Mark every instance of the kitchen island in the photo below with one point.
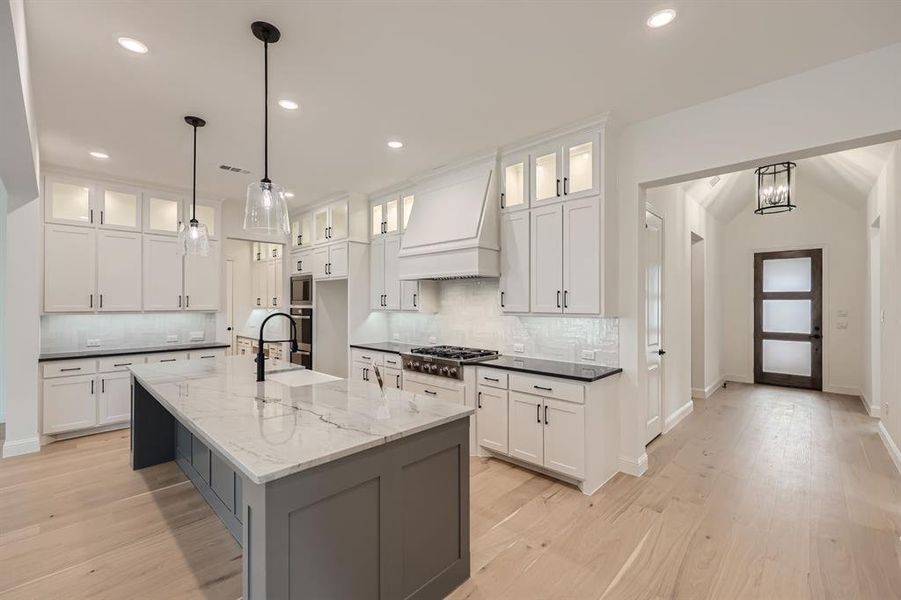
(332, 489)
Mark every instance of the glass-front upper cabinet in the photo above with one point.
(119, 208)
(68, 201)
(581, 175)
(162, 213)
(207, 214)
(337, 220)
(547, 174)
(384, 215)
(320, 224)
(406, 201)
(515, 182)
(302, 231)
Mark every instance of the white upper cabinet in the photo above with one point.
(118, 271)
(202, 280)
(385, 215)
(69, 273)
(162, 213)
(163, 272)
(330, 262)
(119, 207)
(377, 274)
(546, 173)
(547, 259)
(276, 281)
(515, 182)
(259, 288)
(321, 225)
(302, 231)
(207, 213)
(330, 222)
(68, 201)
(514, 281)
(582, 243)
(581, 176)
(302, 262)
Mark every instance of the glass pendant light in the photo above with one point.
(193, 238)
(266, 211)
(775, 188)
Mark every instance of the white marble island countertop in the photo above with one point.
(293, 421)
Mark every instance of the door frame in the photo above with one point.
(818, 295)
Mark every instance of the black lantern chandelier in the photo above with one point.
(775, 188)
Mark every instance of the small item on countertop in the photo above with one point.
(378, 376)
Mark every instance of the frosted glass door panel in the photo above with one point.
(207, 216)
(408, 208)
(69, 202)
(338, 221)
(788, 358)
(162, 215)
(787, 316)
(120, 209)
(377, 220)
(580, 168)
(546, 177)
(514, 185)
(787, 275)
(391, 214)
(320, 219)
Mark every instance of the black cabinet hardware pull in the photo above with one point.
(101, 300)
(565, 300)
(70, 369)
(91, 301)
(480, 400)
(558, 298)
(502, 299)
(179, 301)
(397, 377)
(558, 187)
(391, 362)
(415, 299)
(92, 220)
(92, 386)
(209, 356)
(538, 412)
(565, 186)
(121, 364)
(366, 357)
(545, 415)
(102, 381)
(494, 379)
(101, 217)
(430, 392)
(299, 263)
(546, 389)
(168, 360)
(502, 200)
(187, 301)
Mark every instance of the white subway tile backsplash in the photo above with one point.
(470, 316)
(65, 332)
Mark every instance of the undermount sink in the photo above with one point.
(300, 377)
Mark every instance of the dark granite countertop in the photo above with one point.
(390, 347)
(551, 368)
(101, 352)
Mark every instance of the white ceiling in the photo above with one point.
(848, 176)
(450, 79)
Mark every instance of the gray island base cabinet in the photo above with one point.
(389, 521)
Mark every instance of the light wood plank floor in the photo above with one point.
(762, 492)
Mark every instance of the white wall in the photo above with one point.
(798, 116)
(884, 386)
(682, 216)
(698, 285)
(820, 221)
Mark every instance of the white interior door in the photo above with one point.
(118, 271)
(547, 259)
(654, 306)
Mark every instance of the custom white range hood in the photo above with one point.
(453, 228)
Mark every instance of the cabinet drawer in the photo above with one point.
(549, 387)
(392, 361)
(368, 356)
(63, 368)
(493, 377)
(166, 357)
(433, 391)
(209, 353)
(113, 364)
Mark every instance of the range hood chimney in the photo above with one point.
(453, 228)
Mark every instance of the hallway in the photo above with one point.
(762, 492)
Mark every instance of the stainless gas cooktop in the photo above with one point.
(444, 361)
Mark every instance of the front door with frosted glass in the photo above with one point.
(788, 318)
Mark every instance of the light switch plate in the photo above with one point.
(92, 342)
(519, 348)
(588, 354)
(842, 312)
(171, 339)
(196, 336)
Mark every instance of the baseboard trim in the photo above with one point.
(20, 447)
(698, 393)
(873, 411)
(739, 378)
(890, 445)
(633, 466)
(841, 389)
(675, 418)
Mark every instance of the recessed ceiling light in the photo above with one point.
(395, 144)
(100, 155)
(133, 45)
(661, 18)
(288, 104)
(289, 194)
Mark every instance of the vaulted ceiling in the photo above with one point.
(450, 79)
(847, 176)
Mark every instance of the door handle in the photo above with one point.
(815, 336)
(179, 301)
(102, 381)
(414, 299)
(430, 392)
(101, 300)
(91, 301)
(661, 352)
(92, 387)
(187, 301)
(101, 217)
(397, 378)
(546, 389)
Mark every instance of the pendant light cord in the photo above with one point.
(194, 188)
(266, 111)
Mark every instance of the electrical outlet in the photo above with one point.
(433, 339)
(588, 354)
(519, 348)
(396, 336)
(171, 339)
(842, 312)
(196, 336)
(92, 342)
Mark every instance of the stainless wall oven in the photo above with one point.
(303, 318)
(302, 290)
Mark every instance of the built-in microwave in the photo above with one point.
(302, 290)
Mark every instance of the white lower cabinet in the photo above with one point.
(491, 410)
(526, 428)
(114, 401)
(393, 378)
(69, 403)
(564, 437)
